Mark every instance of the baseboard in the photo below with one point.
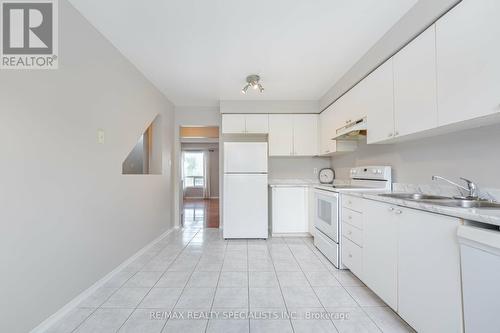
(47, 323)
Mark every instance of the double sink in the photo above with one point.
(444, 201)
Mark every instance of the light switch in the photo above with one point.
(100, 136)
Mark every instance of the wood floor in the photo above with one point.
(201, 213)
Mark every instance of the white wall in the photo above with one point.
(416, 20)
(68, 215)
(296, 167)
(471, 154)
(269, 107)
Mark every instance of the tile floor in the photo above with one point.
(195, 281)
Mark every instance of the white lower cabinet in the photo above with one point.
(430, 298)
(410, 259)
(380, 251)
(290, 210)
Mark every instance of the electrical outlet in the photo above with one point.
(100, 136)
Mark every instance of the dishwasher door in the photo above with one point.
(480, 256)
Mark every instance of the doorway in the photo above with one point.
(199, 165)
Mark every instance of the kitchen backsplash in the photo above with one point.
(296, 167)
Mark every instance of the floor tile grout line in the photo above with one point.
(344, 287)
(248, 290)
(151, 288)
(281, 291)
(216, 287)
(107, 298)
(363, 310)
(314, 291)
(187, 281)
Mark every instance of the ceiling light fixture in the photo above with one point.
(253, 81)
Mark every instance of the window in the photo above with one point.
(193, 169)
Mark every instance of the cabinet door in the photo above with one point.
(305, 135)
(280, 135)
(429, 272)
(327, 130)
(289, 210)
(415, 89)
(380, 250)
(257, 123)
(233, 123)
(378, 96)
(468, 66)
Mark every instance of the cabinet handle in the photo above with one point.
(397, 133)
(389, 135)
(391, 209)
(349, 217)
(349, 202)
(399, 212)
(349, 232)
(350, 255)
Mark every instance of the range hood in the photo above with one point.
(352, 131)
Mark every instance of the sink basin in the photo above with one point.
(414, 196)
(461, 203)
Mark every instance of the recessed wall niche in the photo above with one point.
(146, 156)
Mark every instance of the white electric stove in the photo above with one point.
(328, 200)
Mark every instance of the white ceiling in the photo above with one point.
(198, 52)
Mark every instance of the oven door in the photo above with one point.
(326, 213)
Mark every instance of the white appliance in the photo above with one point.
(245, 204)
(328, 201)
(480, 256)
(352, 131)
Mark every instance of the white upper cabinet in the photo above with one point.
(280, 135)
(468, 65)
(245, 123)
(293, 134)
(233, 123)
(379, 96)
(305, 134)
(257, 123)
(415, 92)
(327, 130)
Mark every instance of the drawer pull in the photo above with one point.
(391, 209)
(350, 217)
(349, 202)
(350, 255)
(349, 232)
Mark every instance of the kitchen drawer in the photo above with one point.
(352, 217)
(328, 247)
(353, 203)
(352, 257)
(352, 233)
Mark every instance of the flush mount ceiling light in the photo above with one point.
(253, 81)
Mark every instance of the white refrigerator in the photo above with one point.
(245, 205)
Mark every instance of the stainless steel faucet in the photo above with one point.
(471, 186)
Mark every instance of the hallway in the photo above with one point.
(201, 213)
(214, 285)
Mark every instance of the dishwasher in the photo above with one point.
(480, 257)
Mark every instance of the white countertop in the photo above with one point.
(292, 182)
(489, 216)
